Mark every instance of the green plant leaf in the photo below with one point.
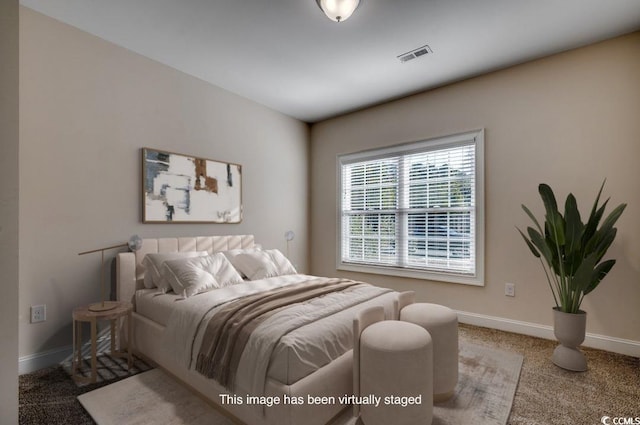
(594, 216)
(583, 276)
(599, 273)
(573, 226)
(548, 198)
(532, 217)
(541, 245)
(602, 236)
(533, 249)
(611, 219)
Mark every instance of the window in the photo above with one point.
(414, 210)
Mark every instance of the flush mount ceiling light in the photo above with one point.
(338, 10)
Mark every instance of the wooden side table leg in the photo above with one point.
(129, 340)
(76, 355)
(113, 336)
(79, 342)
(94, 353)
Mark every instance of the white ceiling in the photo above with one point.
(287, 55)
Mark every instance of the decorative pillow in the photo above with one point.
(263, 264)
(191, 276)
(255, 265)
(152, 264)
(282, 263)
(233, 253)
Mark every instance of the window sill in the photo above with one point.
(412, 273)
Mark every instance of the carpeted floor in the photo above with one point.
(49, 396)
(546, 394)
(550, 395)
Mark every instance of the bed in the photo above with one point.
(310, 356)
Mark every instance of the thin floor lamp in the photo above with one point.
(134, 244)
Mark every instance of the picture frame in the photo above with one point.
(178, 188)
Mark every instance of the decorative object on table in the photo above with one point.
(338, 10)
(134, 244)
(186, 189)
(571, 253)
(288, 236)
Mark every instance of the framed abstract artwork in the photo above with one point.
(186, 189)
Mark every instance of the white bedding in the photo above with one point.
(297, 354)
(154, 305)
(303, 351)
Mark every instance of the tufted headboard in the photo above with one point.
(129, 270)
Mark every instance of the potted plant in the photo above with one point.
(571, 254)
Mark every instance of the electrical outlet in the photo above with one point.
(510, 289)
(38, 313)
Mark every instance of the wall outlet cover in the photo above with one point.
(38, 313)
(510, 289)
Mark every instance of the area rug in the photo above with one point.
(487, 383)
(150, 398)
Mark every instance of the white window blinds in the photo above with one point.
(412, 207)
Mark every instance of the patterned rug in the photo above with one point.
(487, 383)
(108, 368)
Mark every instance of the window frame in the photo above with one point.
(475, 136)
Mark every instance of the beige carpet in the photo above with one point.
(550, 395)
(485, 391)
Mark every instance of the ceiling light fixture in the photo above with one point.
(338, 10)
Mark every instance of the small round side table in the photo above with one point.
(120, 310)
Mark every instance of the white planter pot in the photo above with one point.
(570, 330)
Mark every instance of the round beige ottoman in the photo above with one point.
(442, 324)
(396, 365)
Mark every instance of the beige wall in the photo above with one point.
(87, 107)
(569, 120)
(9, 211)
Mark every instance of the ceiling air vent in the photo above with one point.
(414, 54)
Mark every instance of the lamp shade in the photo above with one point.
(338, 10)
(135, 243)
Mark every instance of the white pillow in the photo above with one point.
(263, 264)
(282, 263)
(191, 276)
(233, 253)
(152, 264)
(255, 265)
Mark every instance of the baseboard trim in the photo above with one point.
(602, 342)
(32, 362)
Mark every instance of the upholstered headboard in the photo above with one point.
(129, 271)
